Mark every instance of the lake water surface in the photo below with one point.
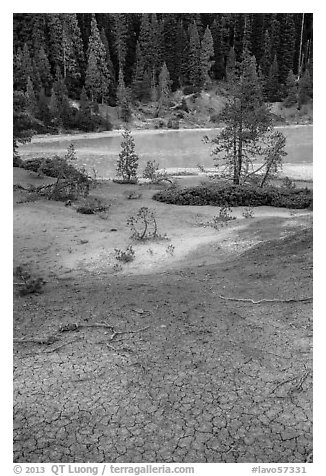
(171, 149)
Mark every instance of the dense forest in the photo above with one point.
(123, 59)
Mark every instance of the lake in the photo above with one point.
(173, 149)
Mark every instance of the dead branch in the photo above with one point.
(76, 326)
(60, 346)
(298, 385)
(73, 327)
(280, 384)
(34, 340)
(115, 333)
(266, 300)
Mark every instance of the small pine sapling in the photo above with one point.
(143, 225)
(128, 159)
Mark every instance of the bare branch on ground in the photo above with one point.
(266, 300)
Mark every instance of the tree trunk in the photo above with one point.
(235, 158)
(265, 176)
(240, 148)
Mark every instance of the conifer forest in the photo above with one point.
(129, 58)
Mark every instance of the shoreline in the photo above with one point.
(39, 138)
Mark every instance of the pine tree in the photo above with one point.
(38, 31)
(247, 121)
(128, 159)
(170, 27)
(31, 103)
(287, 46)
(157, 43)
(305, 89)
(219, 65)
(164, 87)
(231, 66)
(97, 75)
(26, 66)
(146, 40)
(78, 45)
(93, 81)
(272, 85)
(194, 57)
(261, 79)
(71, 69)
(42, 67)
(54, 109)
(267, 58)
(247, 35)
(275, 35)
(55, 34)
(61, 98)
(154, 92)
(291, 90)
(258, 27)
(22, 130)
(43, 112)
(207, 53)
(108, 55)
(138, 76)
(84, 115)
(146, 84)
(121, 33)
(238, 28)
(66, 49)
(18, 73)
(123, 99)
(182, 53)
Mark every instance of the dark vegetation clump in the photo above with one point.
(50, 166)
(27, 283)
(92, 206)
(237, 195)
(71, 183)
(132, 195)
(126, 255)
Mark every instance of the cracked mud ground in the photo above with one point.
(207, 380)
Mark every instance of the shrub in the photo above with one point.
(159, 124)
(173, 123)
(248, 212)
(126, 255)
(51, 167)
(151, 170)
(236, 195)
(224, 214)
(92, 205)
(152, 173)
(288, 184)
(17, 161)
(143, 225)
(170, 249)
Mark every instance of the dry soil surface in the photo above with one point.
(150, 363)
